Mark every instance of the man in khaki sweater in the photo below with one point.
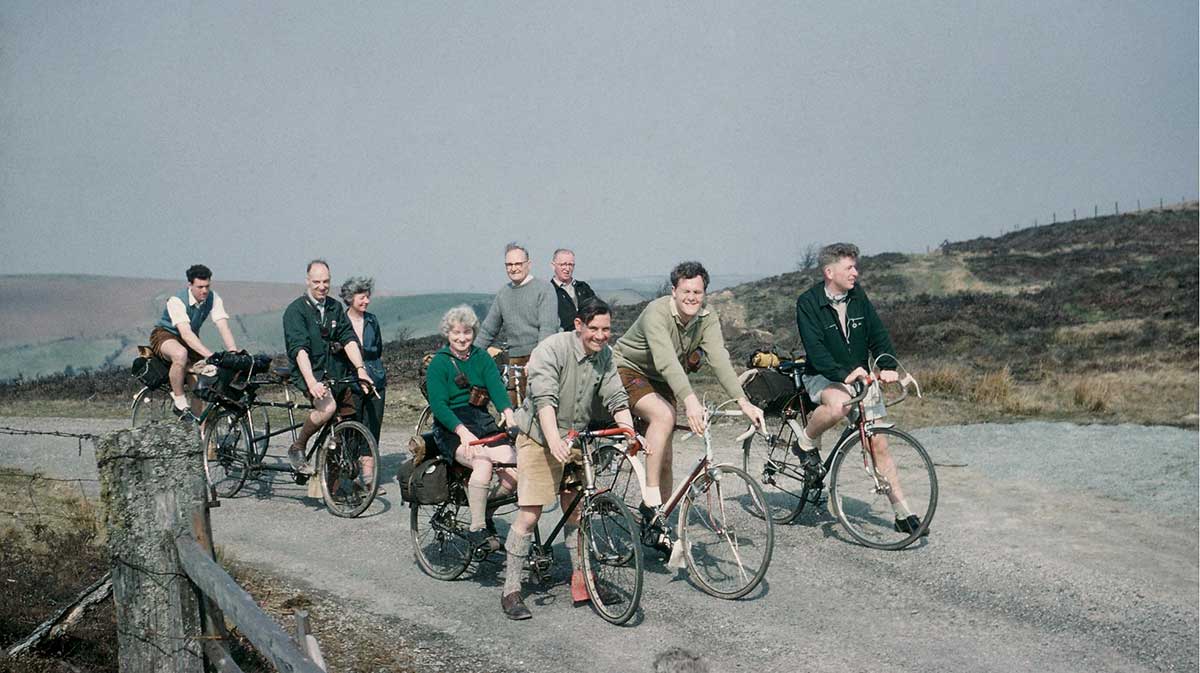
(653, 359)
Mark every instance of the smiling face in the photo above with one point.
(200, 288)
(688, 295)
(460, 337)
(318, 281)
(841, 275)
(516, 264)
(360, 301)
(595, 334)
(564, 267)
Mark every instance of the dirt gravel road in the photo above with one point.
(1056, 547)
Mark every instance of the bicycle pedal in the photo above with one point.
(301, 478)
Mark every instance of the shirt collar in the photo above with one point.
(578, 351)
(319, 305)
(528, 280)
(554, 279)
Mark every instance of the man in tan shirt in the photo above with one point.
(653, 359)
(568, 372)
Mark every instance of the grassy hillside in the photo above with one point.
(1094, 320)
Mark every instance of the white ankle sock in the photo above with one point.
(180, 401)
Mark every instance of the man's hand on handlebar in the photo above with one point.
(753, 414)
(318, 390)
(559, 448)
(858, 374)
(506, 419)
(695, 414)
(889, 375)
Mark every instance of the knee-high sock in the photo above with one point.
(517, 546)
(477, 500)
(571, 537)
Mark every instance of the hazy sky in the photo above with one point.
(410, 141)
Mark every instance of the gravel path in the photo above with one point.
(1055, 547)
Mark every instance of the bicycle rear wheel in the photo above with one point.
(612, 558)
(778, 469)
(726, 543)
(345, 487)
(424, 421)
(863, 502)
(226, 446)
(151, 404)
(439, 538)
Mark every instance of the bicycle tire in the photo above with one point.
(424, 421)
(345, 493)
(439, 538)
(612, 558)
(260, 426)
(149, 405)
(227, 450)
(727, 547)
(864, 510)
(778, 470)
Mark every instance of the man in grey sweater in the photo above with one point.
(524, 312)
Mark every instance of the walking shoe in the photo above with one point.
(186, 416)
(483, 540)
(910, 524)
(579, 592)
(296, 458)
(514, 606)
(810, 460)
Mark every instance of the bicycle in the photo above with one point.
(859, 490)
(233, 450)
(609, 545)
(726, 553)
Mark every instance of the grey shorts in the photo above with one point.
(874, 401)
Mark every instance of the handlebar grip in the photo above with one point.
(863, 389)
(503, 435)
(609, 432)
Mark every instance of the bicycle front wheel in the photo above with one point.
(779, 470)
(726, 536)
(348, 480)
(612, 558)
(424, 421)
(868, 495)
(227, 450)
(439, 538)
(151, 404)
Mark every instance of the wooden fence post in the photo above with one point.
(151, 480)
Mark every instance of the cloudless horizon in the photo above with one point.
(411, 141)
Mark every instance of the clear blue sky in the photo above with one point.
(410, 141)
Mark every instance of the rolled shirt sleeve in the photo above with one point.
(218, 309)
(177, 312)
(713, 343)
(544, 373)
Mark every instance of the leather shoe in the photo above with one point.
(579, 592)
(910, 524)
(296, 458)
(514, 607)
(811, 460)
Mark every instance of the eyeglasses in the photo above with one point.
(570, 265)
(513, 265)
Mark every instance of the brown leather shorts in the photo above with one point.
(638, 386)
(160, 336)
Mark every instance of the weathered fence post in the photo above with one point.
(151, 481)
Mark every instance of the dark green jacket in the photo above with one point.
(829, 352)
(445, 395)
(302, 331)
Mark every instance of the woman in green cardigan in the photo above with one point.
(461, 380)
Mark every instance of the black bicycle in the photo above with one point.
(608, 535)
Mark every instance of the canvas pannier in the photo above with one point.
(768, 389)
(151, 371)
(424, 483)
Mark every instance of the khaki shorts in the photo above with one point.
(540, 475)
(638, 386)
(160, 336)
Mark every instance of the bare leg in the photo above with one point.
(175, 353)
(660, 416)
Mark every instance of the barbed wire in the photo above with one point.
(80, 436)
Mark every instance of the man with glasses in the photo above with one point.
(523, 313)
(319, 341)
(572, 293)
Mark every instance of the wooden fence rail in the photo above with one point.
(171, 595)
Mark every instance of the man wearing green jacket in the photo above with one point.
(841, 334)
(319, 340)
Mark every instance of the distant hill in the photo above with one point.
(52, 323)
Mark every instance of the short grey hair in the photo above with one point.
(562, 251)
(356, 285)
(831, 253)
(515, 246)
(459, 315)
(316, 262)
